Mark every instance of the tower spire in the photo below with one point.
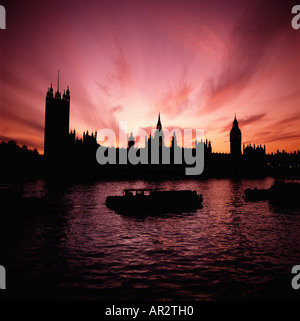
(58, 81)
(158, 126)
(235, 122)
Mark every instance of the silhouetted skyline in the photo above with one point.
(72, 157)
(65, 151)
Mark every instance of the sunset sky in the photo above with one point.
(196, 62)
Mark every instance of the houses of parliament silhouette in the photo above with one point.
(62, 149)
(70, 156)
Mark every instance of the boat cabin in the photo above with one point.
(139, 191)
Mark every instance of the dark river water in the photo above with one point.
(77, 248)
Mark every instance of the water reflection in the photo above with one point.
(229, 248)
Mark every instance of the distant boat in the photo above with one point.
(157, 200)
(282, 192)
(256, 194)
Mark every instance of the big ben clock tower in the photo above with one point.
(235, 139)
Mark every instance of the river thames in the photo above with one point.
(74, 247)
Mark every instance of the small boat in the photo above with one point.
(283, 192)
(257, 194)
(157, 200)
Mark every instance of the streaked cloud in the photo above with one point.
(196, 62)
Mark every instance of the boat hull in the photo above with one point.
(158, 202)
(257, 194)
(287, 194)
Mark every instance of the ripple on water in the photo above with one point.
(230, 248)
